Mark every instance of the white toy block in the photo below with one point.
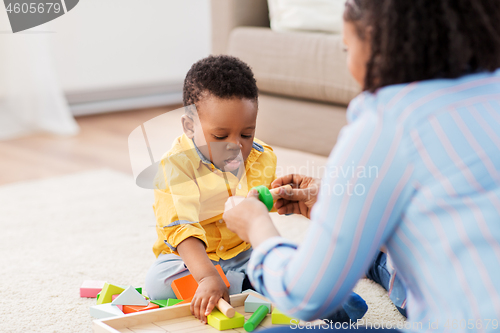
(105, 311)
(130, 296)
(252, 303)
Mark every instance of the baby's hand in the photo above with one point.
(210, 290)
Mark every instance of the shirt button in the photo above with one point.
(239, 186)
(221, 248)
(220, 221)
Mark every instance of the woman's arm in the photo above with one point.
(364, 192)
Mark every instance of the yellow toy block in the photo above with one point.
(219, 321)
(279, 318)
(107, 292)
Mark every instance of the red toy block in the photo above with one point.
(91, 288)
(137, 308)
(185, 287)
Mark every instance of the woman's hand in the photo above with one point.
(249, 219)
(301, 198)
(210, 290)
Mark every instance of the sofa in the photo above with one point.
(303, 80)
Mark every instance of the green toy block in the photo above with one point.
(173, 301)
(219, 321)
(166, 302)
(139, 290)
(107, 293)
(97, 297)
(279, 318)
(160, 302)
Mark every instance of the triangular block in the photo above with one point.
(107, 292)
(252, 303)
(160, 302)
(173, 301)
(105, 311)
(130, 296)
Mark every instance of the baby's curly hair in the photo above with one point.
(221, 76)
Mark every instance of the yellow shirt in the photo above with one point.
(191, 192)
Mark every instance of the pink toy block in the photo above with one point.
(91, 288)
(114, 296)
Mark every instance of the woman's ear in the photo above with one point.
(188, 125)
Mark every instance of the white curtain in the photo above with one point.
(31, 98)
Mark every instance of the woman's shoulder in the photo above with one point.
(404, 102)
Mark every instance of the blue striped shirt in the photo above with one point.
(417, 168)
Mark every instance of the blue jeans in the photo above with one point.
(380, 273)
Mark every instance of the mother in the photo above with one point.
(419, 162)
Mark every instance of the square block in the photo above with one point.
(185, 287)
(252, 303)
(91, 288)
(279, 318)
(219, 321)
(137, 308)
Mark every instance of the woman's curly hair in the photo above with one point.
(221, 76)
(415, 40)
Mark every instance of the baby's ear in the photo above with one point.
(188, 125)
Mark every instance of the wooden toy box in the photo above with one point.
(173, 319)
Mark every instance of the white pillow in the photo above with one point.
(306, 15)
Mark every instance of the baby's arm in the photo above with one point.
(211, 287)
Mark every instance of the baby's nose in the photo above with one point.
(233, 146)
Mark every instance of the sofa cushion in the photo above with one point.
(298, 64)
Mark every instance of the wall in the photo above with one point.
(119, 51)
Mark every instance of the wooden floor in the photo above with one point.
(101, 143)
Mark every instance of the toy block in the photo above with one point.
(137, 308)
(130, 296)
(185, 287)
(97, 296)
(256, 318)
(186, 301)
(107, 293)
(160, 302)
(91, 288)
(219, 321)
(279, 318)
(105, 311)
(173, 301)
(166, 302)
(252, 303)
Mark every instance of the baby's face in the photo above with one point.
(228, 128)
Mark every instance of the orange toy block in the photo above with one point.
(138, 308)
(185, 287)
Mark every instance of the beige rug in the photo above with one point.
(58, 232)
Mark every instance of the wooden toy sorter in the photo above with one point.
(173, 319)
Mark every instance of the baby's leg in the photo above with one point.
(164, 270)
